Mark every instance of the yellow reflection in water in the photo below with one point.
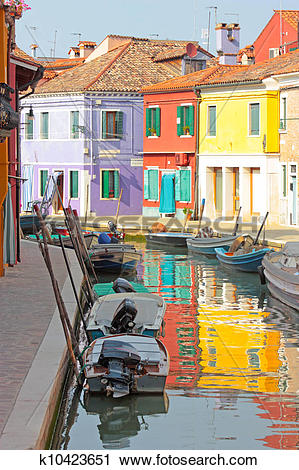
(237, 350)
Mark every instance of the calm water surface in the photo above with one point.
(234, 373)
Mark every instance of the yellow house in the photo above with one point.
(239, 147)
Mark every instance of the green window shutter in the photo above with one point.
(43, 181)
(254, 119)
(158, 121)
(105, 184)
(212, 120)
(104, 118)
(45, 125)
(180, 120)
(74, 124)
(146, 184)
(191, 119)
(185, 185)
(74, 184)
(29, 128)
(116, 183)
(148, 121)
(177, 185)
(119, 118)
(154, 185)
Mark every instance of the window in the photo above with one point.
(44, 126)
(273, 52)
(74, 177)
(112, 124)
(151, 185)
(153, 126)
(254, 119)
(74, 125)
(185, 120)
(212, 121)
(28, 127)
(182, 185)
(43, 176)
(194, 65)
(110, 184)
(283, 113)
(284, 180)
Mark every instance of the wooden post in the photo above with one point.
(237, 222)
(202, 206)
(261, 228)
(43, 224)
(73, 285)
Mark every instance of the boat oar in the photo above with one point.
(237, 222)
(261, 228)
(202, 206)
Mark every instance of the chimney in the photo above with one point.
(86, 48)
(227, 42)
(33, 48)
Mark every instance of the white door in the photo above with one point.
(256, 191)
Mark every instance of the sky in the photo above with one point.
(161, 19)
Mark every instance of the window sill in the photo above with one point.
(153, 137)
(109, 140)
(186, 136)
(109, 199)
(211, 136)
(257, 136)
(282, 131)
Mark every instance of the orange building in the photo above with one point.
(169, 162)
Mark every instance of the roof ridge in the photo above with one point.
(124, 48)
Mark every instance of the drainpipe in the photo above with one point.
(196, 176)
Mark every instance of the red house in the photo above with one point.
(169, 162)
(279, 36)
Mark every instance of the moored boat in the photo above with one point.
(122, 364)
(174, 239)
(207, 246)
(134, 312)
(281, 271)
(114, 257)
(248, 262)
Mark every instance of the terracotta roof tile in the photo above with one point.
(290, 16)
(17, 52)
(126, 68)
(229, 74)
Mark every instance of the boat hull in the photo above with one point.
(207, 246)
(168, 239)
(282, 284)
(248, 262)
(115, 259)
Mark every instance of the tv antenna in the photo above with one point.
(233, 14)
(209, 24)
(77, 34)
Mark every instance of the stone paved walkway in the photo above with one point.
(27, 305)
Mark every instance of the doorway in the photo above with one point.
(255, 190)
(293, 199)
(218, 189)
(236, 190)
(58, 198)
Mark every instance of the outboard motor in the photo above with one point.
(122, 285)
(118, 357)
(124, 316)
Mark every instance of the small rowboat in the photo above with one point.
(248, 262)
(122, 364)
(207, 246)
(114, 257)
(169, 239)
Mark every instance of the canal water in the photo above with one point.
(234, 370)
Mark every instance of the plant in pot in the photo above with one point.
(186, 130)
(152, 131)
(16, 7)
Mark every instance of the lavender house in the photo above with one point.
(87, 126)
